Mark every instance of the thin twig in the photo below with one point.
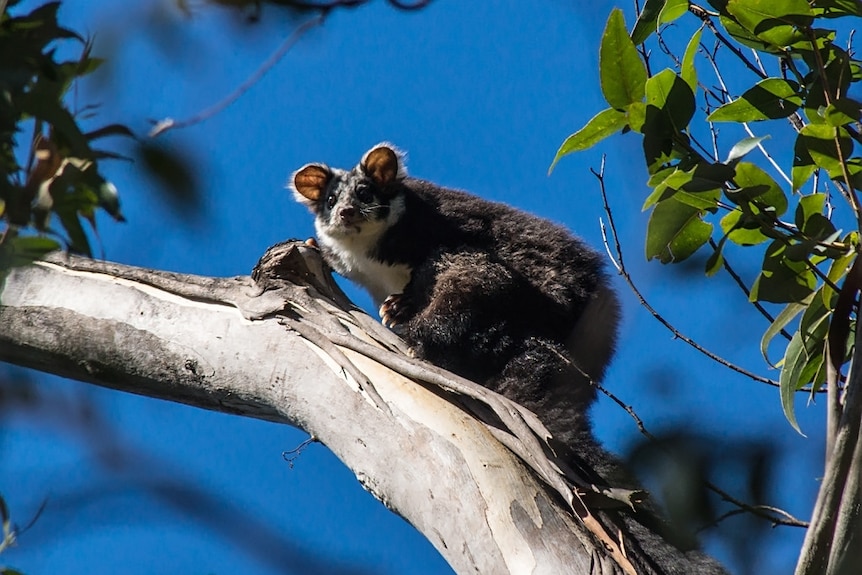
(292, 455)
(760, 147)
(706, 17)
(642, 300)
(762, 511)
(169, 123)
(746, 291)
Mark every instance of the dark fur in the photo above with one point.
(494, 295)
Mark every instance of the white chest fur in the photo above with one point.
(348, 254)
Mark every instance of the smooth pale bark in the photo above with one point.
(186, 339)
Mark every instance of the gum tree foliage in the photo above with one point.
(51, 183)
(785, 70)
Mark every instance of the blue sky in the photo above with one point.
(480, 95)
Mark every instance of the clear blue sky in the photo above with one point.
(480, 95)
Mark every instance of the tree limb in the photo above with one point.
(287, 346)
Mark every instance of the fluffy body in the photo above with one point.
(502, 297)
(497, 295)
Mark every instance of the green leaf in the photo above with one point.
(837, 8)
(843, 111)
(636, 116)
(687, 70)
(757, 186)
(794, 360)
(604, 124)
(716, 259)
(672, 10)
(673, 96)
(667, 187)
(22, 251)
(742, 228)
(839, 268)
(646, 22)
(816, 146)
(695, 187)
(622, 73)
(814, 325)
(789, 312)
(742, 147)
(745, 37)
(782, 279)
(777, 23)
(809, 217)
(771, 98)
(675, 231)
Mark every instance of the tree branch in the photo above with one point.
(287, 346)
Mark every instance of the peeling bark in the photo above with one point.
(298, 352)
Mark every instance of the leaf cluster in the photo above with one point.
(701, 197)
(54, 176)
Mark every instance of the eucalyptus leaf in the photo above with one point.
(604, 124)
(622, 74)
(792, 365)
(687, 70)
(672, 10)
(742, 147)
(781, 279)
(786, 315)
(716, 259)
(771, 98)
(646, 22)
(675, 231)
(769, 194)
(843, 111)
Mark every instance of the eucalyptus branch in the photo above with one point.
(642, 300)
(706, 17)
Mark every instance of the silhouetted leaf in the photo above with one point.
(173, 171)
(646, 22)
(781, 279)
